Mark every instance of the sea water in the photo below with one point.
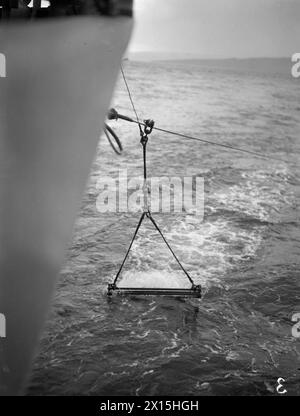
(245, 251)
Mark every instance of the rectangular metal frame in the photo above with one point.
(194, 292)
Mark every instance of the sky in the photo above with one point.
(217, 28)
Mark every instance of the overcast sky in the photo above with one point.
(218, 28)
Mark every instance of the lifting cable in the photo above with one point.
(114, 115)
(131, 100)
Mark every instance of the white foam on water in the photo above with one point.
(153, 279)
(210, 249)
(261, 196)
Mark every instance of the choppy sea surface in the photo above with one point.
(245, 251)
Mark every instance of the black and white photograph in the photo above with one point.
(149, 201)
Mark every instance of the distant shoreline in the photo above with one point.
(266, 65)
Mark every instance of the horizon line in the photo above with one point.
(191, 55)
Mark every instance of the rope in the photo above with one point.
(226, 146)
(107, 130)
(114, 115)
(144, 144)
(129, 248)
(131, 100)
(148, 214)
(169, 247)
